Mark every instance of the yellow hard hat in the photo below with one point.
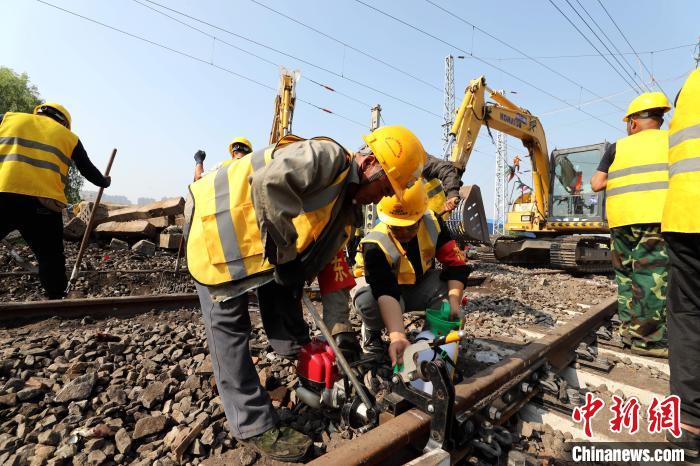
(400, 153)
(240, 140)
(406, 212)
(647, 101)
(59, 111)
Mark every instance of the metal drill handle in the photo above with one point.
(338, 354)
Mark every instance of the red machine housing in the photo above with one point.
(316, 365)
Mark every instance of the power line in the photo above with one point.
(630, 45)
(589, 42)
(506, 72)
(345, 44)
(260, 44)
(619, 53)
(589, 55)
(192, 57)
(325, 86)
(577, 84)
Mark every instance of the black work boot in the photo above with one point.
(281, 444)
(348, 345)
(372, 342)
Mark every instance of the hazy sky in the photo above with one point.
(158, 106)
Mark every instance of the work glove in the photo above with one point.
(106, 181)
(199, 156)
(291, 275)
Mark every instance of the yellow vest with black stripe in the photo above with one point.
(682, 211)
(224, 243)
(436, 195)
(638, 179)
(35, 154)
(395, 254)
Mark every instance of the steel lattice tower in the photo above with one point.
(448, 112)
(499, 201)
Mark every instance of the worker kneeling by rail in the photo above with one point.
(398, 257)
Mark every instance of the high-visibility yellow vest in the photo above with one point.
(682, 210)
(638, 179)
(224, 242)
(436, 195)
(395, 254)
(35, 154)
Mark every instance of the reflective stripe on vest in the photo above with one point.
(682, 210)
(224, 242)
(428, 232)
(638, 179)
(35, 155)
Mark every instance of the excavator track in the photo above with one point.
(581, 254)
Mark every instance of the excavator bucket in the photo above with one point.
(467, 223)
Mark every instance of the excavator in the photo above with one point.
(284, 105)
(561, 222)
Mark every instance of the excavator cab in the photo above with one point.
(573, 203)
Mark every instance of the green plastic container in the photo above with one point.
(438, 320)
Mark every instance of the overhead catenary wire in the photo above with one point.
(535, 60)
(590, 42)
(301, 60)
(590, 55)
(619, 53)
(502, 70)
(218, 39)
(192, 57)
(351, 47)
(630, 45)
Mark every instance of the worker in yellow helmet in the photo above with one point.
(634, 174)
(238, 148)
(681, 230)
(36, 151)
(272, 221)
(398, 257)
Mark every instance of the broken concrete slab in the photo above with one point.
(145, 248)
(74, 229)
(169, 241)
(118, 245)
(161, 222)
(133, 229)
(174, 206)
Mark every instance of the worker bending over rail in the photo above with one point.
(238, 148)
(634, 174)
(35, 154)
(398, 257)
(276, 218)
(681, 230)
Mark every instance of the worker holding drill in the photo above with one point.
(634, 174)
(398, 257)
(238, 148)
(35, 154)
(275, 219)
(681, 230)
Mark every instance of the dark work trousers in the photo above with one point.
(246, 403)
(683, 298)
(283, 319)
(42, 229)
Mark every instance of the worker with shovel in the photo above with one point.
(35, 154)
(276, 218)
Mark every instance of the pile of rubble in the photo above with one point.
(156, 224)
(137, 391)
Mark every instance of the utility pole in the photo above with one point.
(376, 117)
(370, 210)
(696, 55)
(499, 202)
(448, 111)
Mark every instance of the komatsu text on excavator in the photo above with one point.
(561, 222)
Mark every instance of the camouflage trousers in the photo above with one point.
(640, 260)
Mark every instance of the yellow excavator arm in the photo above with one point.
(507, 117)
(284, 105)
